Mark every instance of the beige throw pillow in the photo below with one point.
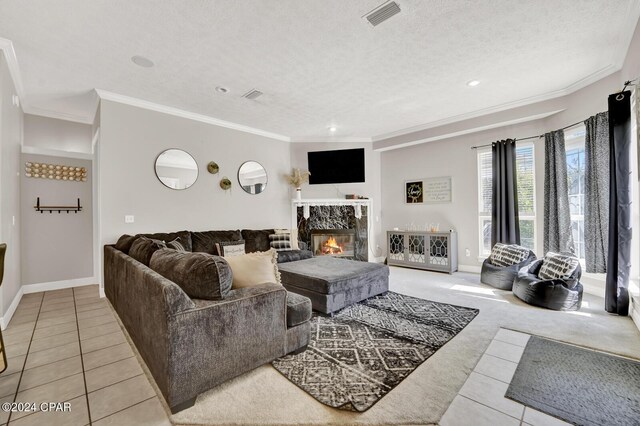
(254, 269)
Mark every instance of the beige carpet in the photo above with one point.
(263, 396)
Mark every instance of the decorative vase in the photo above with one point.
(298, 193)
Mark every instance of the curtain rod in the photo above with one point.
(529, 137)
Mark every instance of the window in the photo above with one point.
(525, 169)
(574, 146)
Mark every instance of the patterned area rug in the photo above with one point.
(359, 355)
(580, 386)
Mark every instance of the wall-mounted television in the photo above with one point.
(339, 166)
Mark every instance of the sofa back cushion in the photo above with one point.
(183, 237)
(143, 248)
(257, 239)
(206, 241)
(200, 275)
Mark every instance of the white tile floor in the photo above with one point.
(481, 399)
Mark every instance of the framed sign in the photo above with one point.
(438, 190)
(414, 192)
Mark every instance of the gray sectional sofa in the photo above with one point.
(191, 345)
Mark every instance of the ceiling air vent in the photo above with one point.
(252, 94)
(380, 14)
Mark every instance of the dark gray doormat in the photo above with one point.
(367, 349)
(577, 385)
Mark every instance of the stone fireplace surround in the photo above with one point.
(334, 214)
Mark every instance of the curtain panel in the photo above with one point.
(558, 236)
(505, 227)
(596, 214)
(619, 251)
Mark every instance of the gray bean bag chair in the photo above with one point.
(556, 294)
(502, 276)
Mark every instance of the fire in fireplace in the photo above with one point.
(333, 242)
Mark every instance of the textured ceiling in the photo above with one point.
(318, 62)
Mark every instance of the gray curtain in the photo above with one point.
(505, 227)
(557, 215)
(616, 299)
(596, 214)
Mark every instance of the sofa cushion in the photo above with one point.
(124, 243)
(293, 255)
(143, 248)
(298, 309)
(256, 240)
(231, 248)
(200, 275)
(185, 238)
(254, 269)
(508, 254)
(558, 266)
(206, 241)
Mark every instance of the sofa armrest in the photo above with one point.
(231, 336)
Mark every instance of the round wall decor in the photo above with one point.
(213, 167)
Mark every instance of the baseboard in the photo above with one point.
(634, 311)
(469, 268)
(6, 318)
(57, 285)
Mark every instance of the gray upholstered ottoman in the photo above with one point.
(333, 283)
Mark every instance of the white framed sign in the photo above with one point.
(438, 190)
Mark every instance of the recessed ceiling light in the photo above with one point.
(333, 128)
(473, 83)
(221, 89)
(142, 61)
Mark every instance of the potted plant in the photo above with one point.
(296, 179)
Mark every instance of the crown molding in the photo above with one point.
(28, 109)
(383, 148)
(12, 63)
(152, 106)
(591, 78)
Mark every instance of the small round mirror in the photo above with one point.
(252, 177)
(176, 169)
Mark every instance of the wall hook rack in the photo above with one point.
(59, 209)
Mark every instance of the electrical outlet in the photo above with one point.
(467, 252)
(129, 219)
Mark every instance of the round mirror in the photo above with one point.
(252, 177)
(176, 169)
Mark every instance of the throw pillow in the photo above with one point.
(230, 248)
(508, 254)
(254, 269)
(293, 236)
(125, 242)
(143, 248)
(176, 245)
(558, 266)
(256, 239)
(200, 275)
(280, 242)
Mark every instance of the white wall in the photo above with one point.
(453, 157)
(56, 246)
(130, 140)
(370, 188)
(450, 157)
(50, 133)
(10, 141)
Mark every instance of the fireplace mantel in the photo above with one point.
(308, 203)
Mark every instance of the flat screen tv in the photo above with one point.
(339, 166)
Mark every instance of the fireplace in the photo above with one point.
(333, 242)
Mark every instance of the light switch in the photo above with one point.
(13, 220)
(129, 219)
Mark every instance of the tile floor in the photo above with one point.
(67, 346)
(481, 399)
